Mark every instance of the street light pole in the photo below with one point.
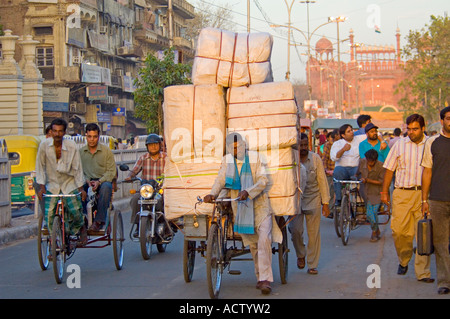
(289, 8)
(337, 20)
(309, 53)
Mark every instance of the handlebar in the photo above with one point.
(61, 195)
(218, 200)
(346, 181)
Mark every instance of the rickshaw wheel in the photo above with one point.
(188, 259)
(144, 237)
(345, 219)
(283, 251)
(58, 249)
(214, 265)
(337, 220)
(118, 238)
(43, 242)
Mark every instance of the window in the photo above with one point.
(45, 62)
(43, 31)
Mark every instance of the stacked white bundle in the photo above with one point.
(194, 130)
(232, 59)
(266, 115)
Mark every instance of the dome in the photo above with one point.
(324, 45)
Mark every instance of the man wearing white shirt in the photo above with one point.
(345, 154)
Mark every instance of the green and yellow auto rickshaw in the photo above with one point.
(22, 151)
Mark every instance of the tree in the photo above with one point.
(153, 78)
(426, 87)
(209, 15)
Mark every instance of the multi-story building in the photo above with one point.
(90, 51)
(368, 81)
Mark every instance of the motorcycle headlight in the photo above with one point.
(146, 191)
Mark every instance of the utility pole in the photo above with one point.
(170, 18)
(248, 16)
(309, 53)
(288, 72)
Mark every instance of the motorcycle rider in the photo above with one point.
(152, 166)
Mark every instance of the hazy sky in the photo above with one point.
(362, 16)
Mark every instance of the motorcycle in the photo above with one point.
(154, 228)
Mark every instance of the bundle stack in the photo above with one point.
(197, 118)
(232, 59)
(266, 115)
(194, 130)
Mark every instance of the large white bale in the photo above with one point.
(266, 114)
(232, 59)
(194, 122)
(282, 172)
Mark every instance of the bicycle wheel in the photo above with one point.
(345, 219)
(118, 238)
(337, 220)
(283, 251)
(58, 249)
(145, 237)
(43, 242)
(214, 262)
(188, 259)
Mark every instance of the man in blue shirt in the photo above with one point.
(372, 142)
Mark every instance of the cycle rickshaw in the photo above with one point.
(220, 245)
(61, 246)
(352, 212)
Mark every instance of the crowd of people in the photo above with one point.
(409, 172)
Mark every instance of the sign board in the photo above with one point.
(55, 99)
(310, 104)
(97, 92)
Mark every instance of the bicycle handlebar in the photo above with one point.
(61, 195)
(223, 199)
(346, 181)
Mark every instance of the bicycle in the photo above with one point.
(62, 245)
(353, 210)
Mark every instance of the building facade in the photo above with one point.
(367, 82)
(90, 51)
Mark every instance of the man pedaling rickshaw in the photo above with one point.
(152, 166)
(243, 173)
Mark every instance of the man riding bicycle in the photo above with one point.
(99, 169)
(152, 166)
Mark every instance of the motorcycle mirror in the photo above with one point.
(124, 167)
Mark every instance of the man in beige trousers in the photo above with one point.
(404, 159)
(315, 194)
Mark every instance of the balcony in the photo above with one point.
(180, 7)
(70, 74)
(127, 51)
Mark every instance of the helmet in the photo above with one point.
(152, 138)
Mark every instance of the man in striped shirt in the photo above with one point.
(152, 166)
(404, 159)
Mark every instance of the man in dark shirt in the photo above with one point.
(436, 197)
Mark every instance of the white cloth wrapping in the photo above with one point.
(232, 59)
(194, 122)
(264, 114)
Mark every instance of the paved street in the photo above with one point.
(342, 273)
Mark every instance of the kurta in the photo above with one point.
(256, 192)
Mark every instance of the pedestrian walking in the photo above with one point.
(315, 199)
(404, 159)
(436, 197)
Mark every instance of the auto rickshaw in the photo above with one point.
(22, 152)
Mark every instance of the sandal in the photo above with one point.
(312, 271)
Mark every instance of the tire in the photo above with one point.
(43, 243)
(283, 251)
(337, 217)
(118, 238)
(345, 219)
(189, 259)
(214, 262)
(144, 237)
(58, 249)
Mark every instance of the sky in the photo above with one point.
(362, 16)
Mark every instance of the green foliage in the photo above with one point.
(427, 85)
(153, 78)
